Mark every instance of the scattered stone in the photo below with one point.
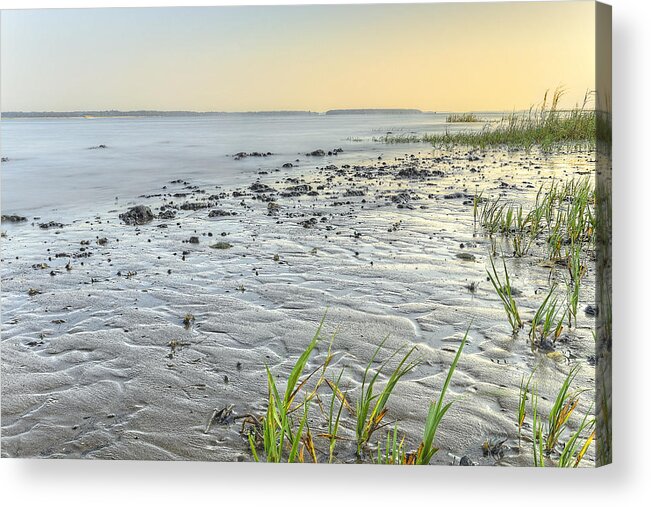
(194, 206)
(194, 240)
(260, 188)
(219, 213)
(316, 153)
(296, 190)
(138, 215)
(221, 245)
(401, 198)
(167, 214)
(102, 241)
(454, 195)
(310, 223)
(591, 310)
(13, 218)
(465, 461)
(465, 256)
(50, 225)
(243, 154)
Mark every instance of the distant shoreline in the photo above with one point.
(113, 113)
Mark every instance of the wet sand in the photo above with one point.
(97, 361)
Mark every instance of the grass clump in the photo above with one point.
(284, 433)
(437, 410)
(545, 321)
(279, 435)
(371, 407)
(503, 290)
(546, 435)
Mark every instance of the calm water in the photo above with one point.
(51, 167)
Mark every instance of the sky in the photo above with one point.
(435, 57)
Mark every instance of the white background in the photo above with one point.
(627, 482)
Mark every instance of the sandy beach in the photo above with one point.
(100, 358)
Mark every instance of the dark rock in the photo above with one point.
(138, 215)
(13, 218)
(221, 245)
(243, 154)
(50, 225)
(260, 188)
(288, 165)
(296, 190)
(401, 198)
(167, 214)
(454, 195)
(415, 174)
(219, 213)
(273, 208)
(310, 223)
(465, 461)
(591, 310)
(316, 153)
(194, 240)
(465, 256)
(193, 206)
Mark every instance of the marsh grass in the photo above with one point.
(371, 407)
(283, 433)
(546, 320)
(545, 126)
(537, 430)
(563, 407)
(563, 218)
(437, 411)
(546, 434)
(503, 290)
(522, 404)
(462, 118)
(578, 444)
(394, 451)
(278, 425)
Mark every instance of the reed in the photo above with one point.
(278, 425)
(563, 407)
(394, 452)
(437, 411)
(522, 405)
(503, 290)
(578, 444)
(546, 321)
(371, 407)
